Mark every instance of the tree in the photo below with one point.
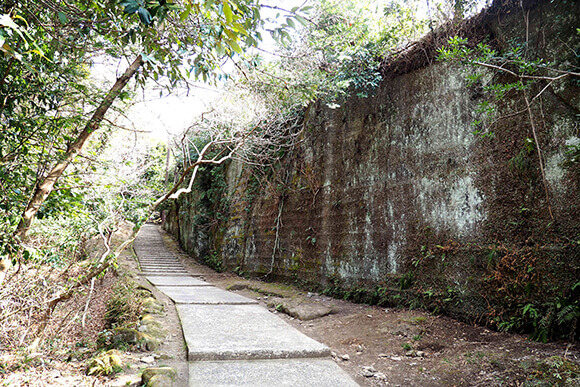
(214, 140)
(165, 39)
(339, 52)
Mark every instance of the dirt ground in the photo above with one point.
(400, 347)
(376, 346)
(63, 361)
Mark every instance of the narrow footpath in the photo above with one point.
(232, 340)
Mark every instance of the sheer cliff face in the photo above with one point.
(397, 183)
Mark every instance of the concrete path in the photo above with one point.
(231, 340)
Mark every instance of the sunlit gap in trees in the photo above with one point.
(160, 115)
(164, 114)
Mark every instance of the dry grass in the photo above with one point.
(36, 351)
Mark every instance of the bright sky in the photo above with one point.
(173, 113)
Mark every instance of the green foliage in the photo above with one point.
(212, 187)
(526, 300)
(515, 61)
(46, 54)
(211, 211)
(455, 50)
(11, 30)
(138, 183)
(214, 261)
(38, 118)
(557, 371)
(406, 280)
(210, 32)
(499, 90)
(477, 59)
(353, 41)
(522, 163)
(572, 154)
(338, 54)
(57, 239)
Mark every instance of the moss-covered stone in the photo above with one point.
(160, 381)
(159, 375)
(149, 342)
(126, 335)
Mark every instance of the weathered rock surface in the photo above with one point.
(395, 190)
(300, 309)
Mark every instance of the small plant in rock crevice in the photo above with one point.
(530, 78)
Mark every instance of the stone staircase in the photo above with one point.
(232, 340)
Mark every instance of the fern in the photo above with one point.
(567, 314)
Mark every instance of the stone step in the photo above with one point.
(177, 281)
(232, 340)
(278, 372)
(155, 256)
(175, 261)
(204, 296)
(157, 274)
(242, 332)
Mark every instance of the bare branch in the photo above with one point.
(540, 160)
(124, 127)
(537, 77)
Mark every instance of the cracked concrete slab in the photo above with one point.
(242, 332)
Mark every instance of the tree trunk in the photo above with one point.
(44, 187)
(458, 10)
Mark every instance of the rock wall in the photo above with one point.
(393, 199)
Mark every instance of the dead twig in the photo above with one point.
(68, 293)
(540, 160)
